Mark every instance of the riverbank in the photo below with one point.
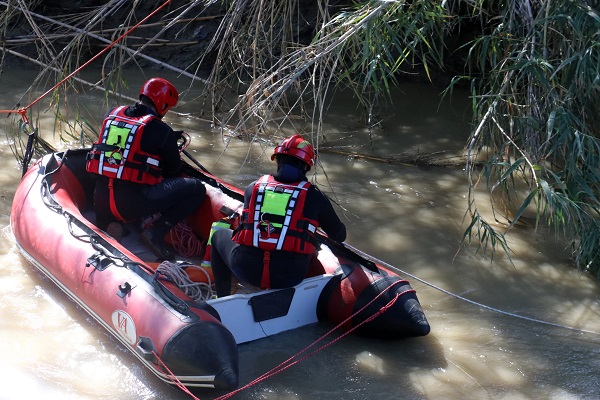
(179, 35)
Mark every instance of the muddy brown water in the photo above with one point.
(526, 330)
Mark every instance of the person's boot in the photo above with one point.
(155, 239)
(115, 229)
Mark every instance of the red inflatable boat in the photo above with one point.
(176, 334)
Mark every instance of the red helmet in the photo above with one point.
(296, 146)
(162, 93)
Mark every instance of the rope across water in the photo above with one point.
(456, 296)
(23, 111)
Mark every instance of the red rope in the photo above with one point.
(23, 111)
(173, 378)
(291, 362)
(185, 241)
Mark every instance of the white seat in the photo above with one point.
(239, 317)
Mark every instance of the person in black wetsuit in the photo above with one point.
(273, 244)
(137, 162)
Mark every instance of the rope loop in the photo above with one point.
(185, 241)
(175, 273)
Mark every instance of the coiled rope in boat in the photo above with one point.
(176, 272)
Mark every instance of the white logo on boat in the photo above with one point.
(124, 325)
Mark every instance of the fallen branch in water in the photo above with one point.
(406, 159)
(162, 23)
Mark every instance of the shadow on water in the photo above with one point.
(355, 367)
(510, 333)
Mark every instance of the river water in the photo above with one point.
(500, 330)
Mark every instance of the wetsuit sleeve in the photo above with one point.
(328, 219)
(160, 139)
(171, 158)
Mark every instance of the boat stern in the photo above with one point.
(378, 306)
(203, 349)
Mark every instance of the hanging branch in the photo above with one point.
(132, 53)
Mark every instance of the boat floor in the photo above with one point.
(132, 241)
(249, 312)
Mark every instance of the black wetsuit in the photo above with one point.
(174, 197)
(286, 268)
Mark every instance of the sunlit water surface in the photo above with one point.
(525, 330)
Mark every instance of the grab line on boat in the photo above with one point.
(293, 360)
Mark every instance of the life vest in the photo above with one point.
(274, 219)
(117, 153)
(217, 225)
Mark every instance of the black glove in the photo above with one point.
(179, 134)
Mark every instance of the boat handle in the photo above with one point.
(124, 289)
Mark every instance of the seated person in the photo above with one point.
(273, 244)
(137, 163)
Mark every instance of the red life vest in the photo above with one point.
(274, 219)
(117, 153)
